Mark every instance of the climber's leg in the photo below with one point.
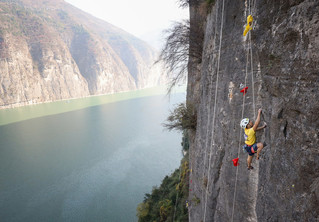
(260, 146)
(249, 159)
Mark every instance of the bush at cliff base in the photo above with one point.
(160, 204)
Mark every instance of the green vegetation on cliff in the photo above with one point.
(169, 201)
(183, 117)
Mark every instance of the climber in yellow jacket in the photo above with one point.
(250, 138)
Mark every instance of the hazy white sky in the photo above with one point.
(145, 19)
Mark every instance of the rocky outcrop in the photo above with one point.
(284, 184)
(50, 50)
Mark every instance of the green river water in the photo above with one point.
(89, 159)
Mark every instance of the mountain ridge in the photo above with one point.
(69, 54)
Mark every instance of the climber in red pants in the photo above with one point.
(250, 138)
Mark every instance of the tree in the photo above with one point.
(175, 52)
(166, 207)
(142, 210)
(183, 3)
(181, 118)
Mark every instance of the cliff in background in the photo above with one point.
(50, 50)
(284, 184)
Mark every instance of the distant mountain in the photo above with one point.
(51, 50)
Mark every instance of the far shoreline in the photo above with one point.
(29, 111)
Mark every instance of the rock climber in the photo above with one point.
(251, 146)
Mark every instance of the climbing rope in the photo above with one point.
(249, 50)
(252, 11)
(214, 112)
(209, 101)
(240, 137)
(252, 75)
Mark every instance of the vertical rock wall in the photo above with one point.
(25, 80)
(284, 184)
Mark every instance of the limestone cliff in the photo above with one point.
(284, 81)
(50, 50)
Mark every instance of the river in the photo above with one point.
(91, 164)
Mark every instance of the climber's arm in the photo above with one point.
(262, 127)
(257, 121)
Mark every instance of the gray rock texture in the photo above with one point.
(50, 50)
(284, 184)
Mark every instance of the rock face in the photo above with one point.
(283, 81)
(50, 50)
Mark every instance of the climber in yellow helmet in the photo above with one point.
(251, 146)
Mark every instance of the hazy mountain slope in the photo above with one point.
(136, 54)
(51, 50)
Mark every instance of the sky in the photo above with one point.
(145, 19)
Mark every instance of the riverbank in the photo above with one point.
(17, 114)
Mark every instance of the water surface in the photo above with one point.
(93, 164)
(33, 111)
